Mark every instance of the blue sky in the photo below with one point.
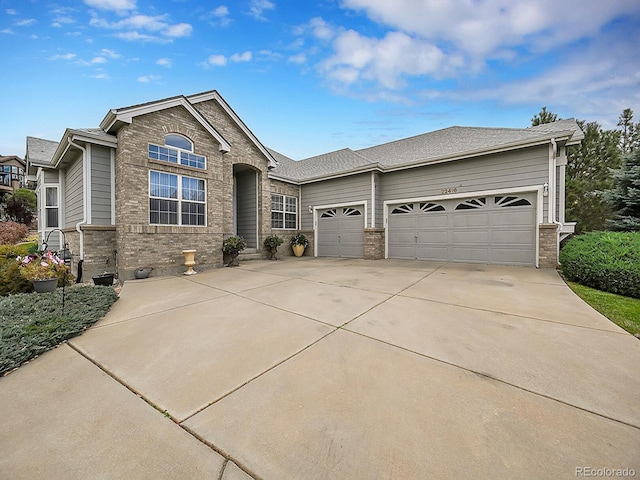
(312, 77)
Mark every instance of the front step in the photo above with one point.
(250, 254)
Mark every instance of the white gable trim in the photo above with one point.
(126, 115)
(214, 95)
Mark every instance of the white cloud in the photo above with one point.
(10, 11)
(101, 76)
(149, 78)
(219, 16)
(300, 58)
(482, 28)
(59, 21)
(164, 62)
(97, 60)
(25, 23)
(216, 61)
(144, 28)
(114, 5)
(257, 8)
(179, 30)
(241, 57)
(109, 53)
(63, 56)
(385, 61)
(7, 31)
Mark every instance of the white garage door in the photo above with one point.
(341, 232)
(498, 229)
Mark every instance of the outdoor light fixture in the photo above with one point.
(310, 209)
(545, 189)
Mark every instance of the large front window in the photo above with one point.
(284, 212)
(176, 199)
(177, 149)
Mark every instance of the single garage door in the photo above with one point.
(341, 232)
(498, 229)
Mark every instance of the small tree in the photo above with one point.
(545, 116)
(625, 197)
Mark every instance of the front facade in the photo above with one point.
(186, 172)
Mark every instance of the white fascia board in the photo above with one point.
(214, 95)
(126, 115)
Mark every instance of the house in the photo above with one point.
(12, 173)
(186, 172)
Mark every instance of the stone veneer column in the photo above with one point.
(374, 243)
(548, 245)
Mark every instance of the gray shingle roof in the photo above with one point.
(452, 142)
(40, 151)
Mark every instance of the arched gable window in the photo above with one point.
(178, 141)
(177, 149)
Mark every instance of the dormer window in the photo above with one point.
(177, 149)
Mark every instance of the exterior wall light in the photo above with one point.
(545, 189)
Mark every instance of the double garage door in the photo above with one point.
(497, 229)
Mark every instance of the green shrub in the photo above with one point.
(608, 261)
(32, 324)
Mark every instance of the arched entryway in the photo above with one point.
(246, 208)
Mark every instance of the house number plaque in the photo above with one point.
(445, 191)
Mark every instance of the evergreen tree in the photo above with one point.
(545, 116)
(630, 135)
(625, 197)
(589, 175)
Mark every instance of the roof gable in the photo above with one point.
(115, 119)
(214, 95)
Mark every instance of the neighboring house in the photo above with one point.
(186, 172)
(12, 173)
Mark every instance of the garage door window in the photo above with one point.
(511, 202)
(284, 212)
(431, 207)
(472, 203)
(401, 209)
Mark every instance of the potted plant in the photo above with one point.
(44, 270)
(232, 247)
(271, 243)
(298, 243)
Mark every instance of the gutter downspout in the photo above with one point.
(85, 194)
(553, 193)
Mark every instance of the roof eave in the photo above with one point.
(542, 140)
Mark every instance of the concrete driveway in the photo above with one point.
(332, 369)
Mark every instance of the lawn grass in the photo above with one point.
(623, 311)
(32, 323)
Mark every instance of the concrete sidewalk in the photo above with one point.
(332, 368)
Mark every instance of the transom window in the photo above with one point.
(177, 149)
(284, 212)
(176, 200)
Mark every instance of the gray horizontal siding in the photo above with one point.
(50, 176)
(506, 170)
(100, 185)
(73, 189)
(354, 188)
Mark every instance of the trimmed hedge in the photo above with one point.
(608, 261)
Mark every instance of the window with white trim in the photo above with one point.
(177, 149)
(284, 212)
(51, 207)
(176, 199)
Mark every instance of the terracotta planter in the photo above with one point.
(298, 250)
(48, 285)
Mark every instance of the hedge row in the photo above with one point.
(608, 261)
